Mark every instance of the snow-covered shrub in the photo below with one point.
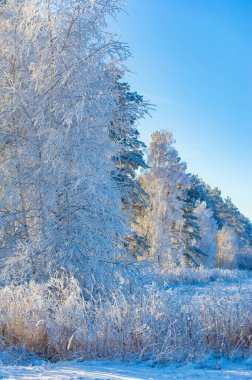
(56, 320)
(22, 316)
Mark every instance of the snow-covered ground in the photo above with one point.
(214, 369)
(244, 283)
(211, 368)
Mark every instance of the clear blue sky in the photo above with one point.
(193, 59)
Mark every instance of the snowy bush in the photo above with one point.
(56, 320)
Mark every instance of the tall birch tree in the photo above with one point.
(59, 207)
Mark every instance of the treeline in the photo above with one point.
(92, 233)
(71, 200)
(187, 222)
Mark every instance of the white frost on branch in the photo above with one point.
(58, 67)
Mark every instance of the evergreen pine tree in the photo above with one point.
(129, 159)
(192, 252)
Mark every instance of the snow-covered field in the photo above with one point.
(228, 287)
(212, 369)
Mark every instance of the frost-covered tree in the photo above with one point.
(190, 234)
(225, 214)
(239, 222)
(208, 231)
(129, 159)
(169, 223)
(228, 248)
(241, 228)
(162, 222)
(58, 204)
(200, 191)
